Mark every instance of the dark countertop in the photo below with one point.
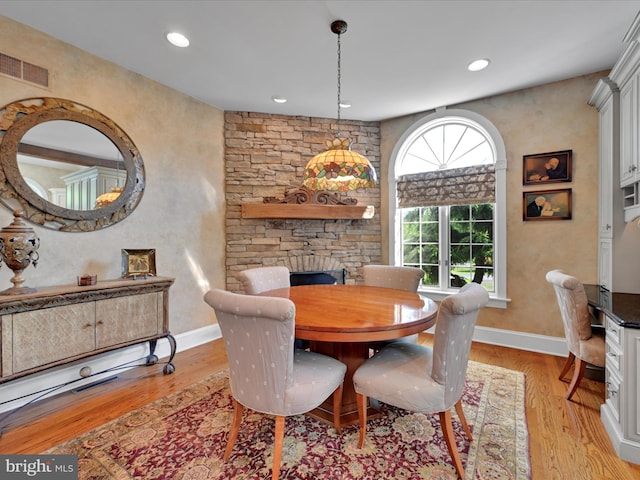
(622, 308)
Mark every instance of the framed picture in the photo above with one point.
(546, 168)
(138, 263)
(546, 205)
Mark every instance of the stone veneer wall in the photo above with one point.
(265, 155)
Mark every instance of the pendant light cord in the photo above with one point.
(339, 78)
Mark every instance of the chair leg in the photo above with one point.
(235, 427)
(277, 447)
(578, 373)
(337, 406)
(567, 365)
(463, 420)
(361, 400)
(449, 438)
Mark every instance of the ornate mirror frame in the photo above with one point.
(20, 116)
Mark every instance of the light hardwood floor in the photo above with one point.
(567, 439)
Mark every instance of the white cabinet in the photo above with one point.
(605, 98)
(626, 75)
(621, 410)
(628, 131)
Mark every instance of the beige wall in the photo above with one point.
(181, 213)
(549, 118)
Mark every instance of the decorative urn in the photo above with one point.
(18, 248)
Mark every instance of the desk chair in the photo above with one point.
(390, 276)
(266, 374)
(422, 379)
(586, 345)
(261, 279)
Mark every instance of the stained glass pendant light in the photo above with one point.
(339, 168)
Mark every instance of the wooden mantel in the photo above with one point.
(315, 211)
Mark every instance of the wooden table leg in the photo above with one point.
(352, 355)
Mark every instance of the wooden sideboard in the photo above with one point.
(59, 325)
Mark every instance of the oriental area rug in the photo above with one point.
(183, 436)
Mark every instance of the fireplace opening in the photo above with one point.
(319, 277)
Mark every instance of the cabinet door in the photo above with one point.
(123, 319)
(631, 407)
(605, 259)
(44, 336)
(606, 149)
(628, 131)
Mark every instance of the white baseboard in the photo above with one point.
(530, 342)
(21, 391)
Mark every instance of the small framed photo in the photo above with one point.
(546, 205)
(549, 167)
(138, 263)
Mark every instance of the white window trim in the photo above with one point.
(498, 299)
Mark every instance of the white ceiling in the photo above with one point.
(398, 57)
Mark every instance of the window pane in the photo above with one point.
(410, 233)
(430, 254)
(410, 254)
(429, 214)
(459, 212)
(431, 275)
(430, 232)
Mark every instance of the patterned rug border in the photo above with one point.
(172, 404)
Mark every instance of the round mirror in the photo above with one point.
(67, 166)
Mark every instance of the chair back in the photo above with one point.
(390, 276)
(258, 334)
(262, 279)
(574, 308)
(457, 316)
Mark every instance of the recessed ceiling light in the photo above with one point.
(478, 65)
(345, 104)
(178, 39)
(279, 99)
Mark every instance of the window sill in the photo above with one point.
(439, 295)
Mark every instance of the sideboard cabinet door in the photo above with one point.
(44, 336)
(124, 319)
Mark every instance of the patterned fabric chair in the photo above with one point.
(423, 379)
(262, 279)
(400, 278)
(585, 345)
(265, 372)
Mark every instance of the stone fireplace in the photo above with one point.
(264, 157)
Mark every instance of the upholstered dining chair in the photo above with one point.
(422, 379)
(266, 374)
(391, 276)
(261, 279)
(586, 345)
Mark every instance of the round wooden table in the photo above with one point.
(343, 320)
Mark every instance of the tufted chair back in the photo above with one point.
(585, 346)
(390, 276)
(266, 373)
(258, 336)
(422, 379)
(457, 316)
(574, 308)
(262, 279)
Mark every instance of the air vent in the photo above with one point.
(26, 71)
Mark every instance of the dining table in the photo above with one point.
(343, 321)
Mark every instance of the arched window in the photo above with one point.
(448, 203)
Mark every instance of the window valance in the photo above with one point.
(458, 186)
